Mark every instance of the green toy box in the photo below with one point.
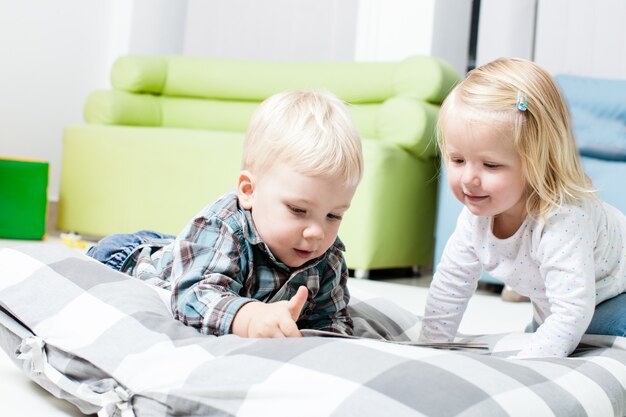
(23, 198)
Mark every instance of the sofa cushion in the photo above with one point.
(108, 344)
(599, 136)
(598, 109)
(417, 137)
(354, 82)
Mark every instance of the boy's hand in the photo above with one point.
(297, 302)
(271, 320)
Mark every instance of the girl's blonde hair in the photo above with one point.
(310, 130)
(542, 133)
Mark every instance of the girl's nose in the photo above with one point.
(470, 177)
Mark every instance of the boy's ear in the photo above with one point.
(245, 189)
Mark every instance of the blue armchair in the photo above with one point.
(598, 109)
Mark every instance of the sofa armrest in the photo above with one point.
(116, 107)
(425, 78)
(140, 73)
(410, 124)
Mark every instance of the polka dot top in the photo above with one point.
(567, 263)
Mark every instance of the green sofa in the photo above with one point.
(166, 140)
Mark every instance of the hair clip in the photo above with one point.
(522, 102)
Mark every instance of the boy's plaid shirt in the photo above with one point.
(218, 263)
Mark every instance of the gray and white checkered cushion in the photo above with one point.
(108, 344)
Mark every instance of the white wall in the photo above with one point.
(338, 30)
(451, 32)
(272, 29)
(506, 28)
(53, 54)
(56, 52)
(582, 37)
(578, 37)
(393, 29)
(156, 26)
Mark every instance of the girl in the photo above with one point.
(531, 217)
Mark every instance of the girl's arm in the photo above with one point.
(454, 282)
(566, 256)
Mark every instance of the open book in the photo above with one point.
(435, 345)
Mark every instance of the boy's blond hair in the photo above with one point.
(310, 130)
(542, 133)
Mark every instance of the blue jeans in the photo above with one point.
(608, 319)
(115, 250)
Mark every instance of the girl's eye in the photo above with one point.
(491, 165)
(296, 210)
(457, 161)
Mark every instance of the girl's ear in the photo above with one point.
(245, 189)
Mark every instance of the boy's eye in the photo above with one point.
(296, 210)
(334, 216)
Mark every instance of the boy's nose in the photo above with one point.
(313, 231)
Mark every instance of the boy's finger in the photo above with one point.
(297, 302)
(278, 334)
(289, 328)
(274, 331)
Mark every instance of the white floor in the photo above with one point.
(485, 314)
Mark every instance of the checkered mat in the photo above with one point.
(108, 344)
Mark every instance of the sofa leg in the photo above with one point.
(361, 273)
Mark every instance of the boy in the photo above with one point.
(264, 260)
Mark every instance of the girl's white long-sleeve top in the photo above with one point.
(566, 264)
